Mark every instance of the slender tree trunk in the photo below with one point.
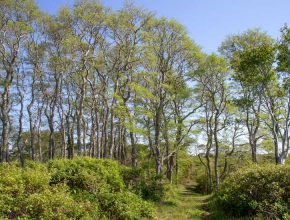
(209, 175)
(170, 167)
(92, 151)
(158, 156)
(216, 158)
(134, 150)
(38, 129)
(5, 109)
(63, 131)
(104, 135)
(31, 125)
(20, 129)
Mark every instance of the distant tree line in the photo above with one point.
(95, 82)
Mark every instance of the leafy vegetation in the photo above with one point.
(83, 188)
(105, 114)
(256, 190)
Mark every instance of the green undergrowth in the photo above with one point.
(83, 188)
(257, 192)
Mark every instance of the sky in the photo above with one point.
(207, 22)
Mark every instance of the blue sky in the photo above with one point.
(208, 22)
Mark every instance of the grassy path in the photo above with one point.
(185, 204)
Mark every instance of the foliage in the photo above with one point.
(87, 174)
(202, 184)
(256, 190)
(125, 205)
(185, 167)
(26, 193)
(83, 188)
(284, 50)
(247, 52)
(153, 188)
(148, 187)
(94, 81)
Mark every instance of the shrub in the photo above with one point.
(256, 190)
(125, 205)
(83, 188)
(202, 184)
(100, 181)
(58, 204)
(153, 188)
(132, 178)
(149, 188)
(26, 193)
(87, 174)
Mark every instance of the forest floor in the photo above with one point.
(184, 204)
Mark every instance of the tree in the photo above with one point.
(211, 78)
(251, 57)
(167, 45)
(126, 29)
(15, 27)
(277, 100)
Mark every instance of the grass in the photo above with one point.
(183, 204)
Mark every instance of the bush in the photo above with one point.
(26, 193)
(58, 204)
(83, 188)
(149, 188)
(100, 181)
(153, 188)
(88, 174)
(125, 205)
(256, 191)
(202, 184)
(132, 178)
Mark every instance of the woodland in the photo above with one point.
(120, 115)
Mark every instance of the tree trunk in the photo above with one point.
(216, 158)
(134, 150)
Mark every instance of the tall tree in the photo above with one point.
(251, 57)
(126, 28)
(277, 99)
(15, 27)
(211, 78)
(167, 45)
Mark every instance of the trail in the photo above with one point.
(184, 204)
